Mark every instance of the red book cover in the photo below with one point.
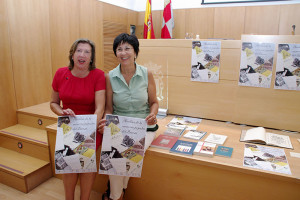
(164, 141)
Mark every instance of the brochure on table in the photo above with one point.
(206, 61)
(194, 134)
(256, 64)
(75, 148)
(266, 158)
(122, 151)
(189, 123)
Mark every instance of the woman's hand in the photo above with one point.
(68, 111)
(101, 125)
(151, 119)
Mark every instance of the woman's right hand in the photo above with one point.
(68, 111)
(101, 125)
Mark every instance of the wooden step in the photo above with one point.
(21, 171)
(37, 116)
(26, 140)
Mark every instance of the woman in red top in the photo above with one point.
(81, 89)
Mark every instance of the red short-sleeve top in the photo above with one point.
(78, 94)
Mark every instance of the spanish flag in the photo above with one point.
(148, 25)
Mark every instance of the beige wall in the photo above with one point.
(8, 99)
(36, 36)
(231, 22)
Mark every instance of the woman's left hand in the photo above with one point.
(151, 119)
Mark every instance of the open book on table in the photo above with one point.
(260, 136)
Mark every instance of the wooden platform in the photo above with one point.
(21, 171)
(24, 150)
(38, 116)
(174, 176)
(26, 140)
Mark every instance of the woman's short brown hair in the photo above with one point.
(73, 49)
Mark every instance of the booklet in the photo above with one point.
(224, 151)
(216, 138)
(75, 148)
(195, 135)
(172, 131)
(205, 149)
(260, 136)
(123, 145)
(183, 147)
(164, 141)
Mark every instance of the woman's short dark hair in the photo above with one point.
(126, 38)
(73, 49)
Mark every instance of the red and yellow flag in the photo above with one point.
(148, 25)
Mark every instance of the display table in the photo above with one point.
(174, 176)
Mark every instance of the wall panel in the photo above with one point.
(179, 24)
(64, 29)
(110, 31)
(262, 20)
(157, 22)
(91, 23)
(229, 22)
(132, 19)
(140, 25)
(200, 22)
(289, 15)
(115, 13)
(7, 90)
(31, 53)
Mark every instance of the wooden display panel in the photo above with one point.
(205, 100)
(8, 105)
(268, 107)
(225, 100)
(31, 52)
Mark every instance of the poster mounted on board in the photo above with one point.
(123, 146)
(75, 148)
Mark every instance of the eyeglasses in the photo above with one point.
(127, 49)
